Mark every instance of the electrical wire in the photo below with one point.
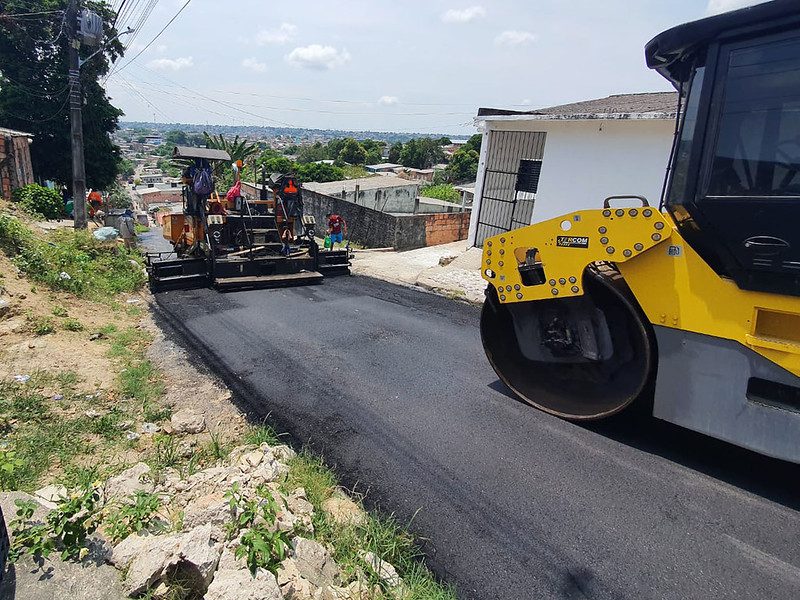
(158, 35)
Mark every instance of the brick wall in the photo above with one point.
(15, 164)
(443, 228)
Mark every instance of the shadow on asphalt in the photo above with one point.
(772, 479)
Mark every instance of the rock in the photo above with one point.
(357, 590)
(129, 481)
(145, 560)
(298, 503)
(241, 585)
(267, 471)
(228, 560)
(49, 496)
(251, 460)
(132, 436)
(314, 562)
(199, 552)
(161, 592)
(212, 508)
(5, 307)
(96, 336)
(188, 420)
(384, 570)
(292, 583)
(150, 428)
(343, 511)
(283, 452)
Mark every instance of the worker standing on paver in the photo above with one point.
(127, 228)
(337, 227)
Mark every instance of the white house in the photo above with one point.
(538, 165)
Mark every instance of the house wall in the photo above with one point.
(584, 162)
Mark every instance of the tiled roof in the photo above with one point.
(652, 105)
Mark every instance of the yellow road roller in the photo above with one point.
(689, 309)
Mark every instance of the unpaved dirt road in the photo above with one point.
(392, 386)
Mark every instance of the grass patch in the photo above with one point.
(261, 434)
(71, 324)
(71, 261)
(309, 472)
(40, 325)
(383, 535)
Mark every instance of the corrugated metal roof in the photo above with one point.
(652, 105)
(206, 153)
(14, 133)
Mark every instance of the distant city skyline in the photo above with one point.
(423, 67)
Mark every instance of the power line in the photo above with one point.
(158, 35)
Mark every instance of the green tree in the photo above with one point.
(176, 137)
(320, 172)
(334, 148)
(463, 165)
(474, 143)
(276, 164)
(312, 153)
(34, 90)
(421, 153)
(126, 168)
(395, 150)
(352, 152)
(445, 141)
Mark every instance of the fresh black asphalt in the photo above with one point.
(391, 385)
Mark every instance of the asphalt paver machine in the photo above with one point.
(237, 242)
(690, 310)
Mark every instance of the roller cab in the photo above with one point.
(690, 309)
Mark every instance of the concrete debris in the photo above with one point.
(241, 585)
(129, 482)
(384, 570)
(212, 508)
(50, 496)
(283, 453)
(292, 583)
(150, 428)
(199, 552)
(314, 562)
(145, 560)
(188, 420)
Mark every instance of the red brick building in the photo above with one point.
(16, 169)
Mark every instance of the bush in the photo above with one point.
(38, 200)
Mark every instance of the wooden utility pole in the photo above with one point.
(76, 117)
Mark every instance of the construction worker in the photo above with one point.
(337, 227)
(127, 229)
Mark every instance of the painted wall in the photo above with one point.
(586, 161)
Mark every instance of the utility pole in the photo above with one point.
(76, 117)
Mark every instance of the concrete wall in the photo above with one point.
(586, 161)
(376, 229)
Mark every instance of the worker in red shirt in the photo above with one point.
(337, 227)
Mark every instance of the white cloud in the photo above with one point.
(720, 6)
(171, 64)
(281, 35)
(464, 15)
(514, 38)
(317, 57)
(388, 100)
(161, 49)
(253, 64)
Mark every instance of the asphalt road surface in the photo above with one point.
(391, 385)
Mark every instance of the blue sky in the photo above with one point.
(388, 65)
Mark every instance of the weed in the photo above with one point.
(71, 324)
(263, 545)
(134, 517)
(165, 454)
(153, 412)
(141, 381)
(216, 449)
(40, 325)
(261, 434)
(65, 528)
(80, 477)
(9, 468)
(107, 425)
(60, 311)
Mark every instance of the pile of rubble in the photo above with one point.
(198, 550)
